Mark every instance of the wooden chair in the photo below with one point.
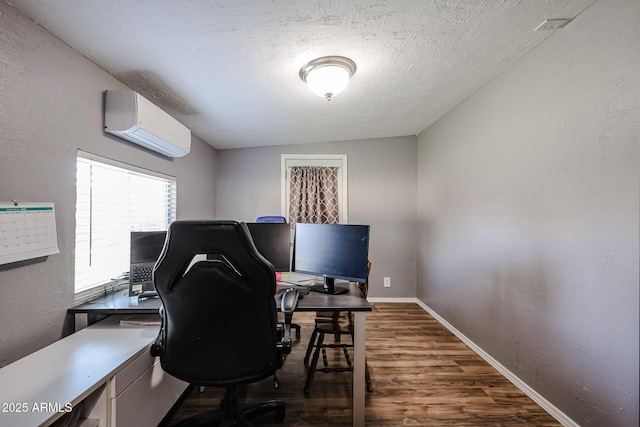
(334, 324)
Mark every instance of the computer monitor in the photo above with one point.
(334, 251)
(146, 247)
(273, 242)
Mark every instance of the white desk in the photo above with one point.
(97, 365)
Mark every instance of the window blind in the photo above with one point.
(114, 199)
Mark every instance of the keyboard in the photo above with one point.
(141, 273)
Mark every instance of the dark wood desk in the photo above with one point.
(120, 303)
(117, 302)
(350, 301)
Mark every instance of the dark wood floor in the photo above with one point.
(422, 376)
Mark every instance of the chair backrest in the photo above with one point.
(219, 314)
(364, 287)
(271, 218)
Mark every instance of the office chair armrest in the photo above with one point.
(157, 349)
(288, 305)
(289, 301)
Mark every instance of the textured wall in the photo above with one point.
(382, 189)
(50, 106)
(528, 216)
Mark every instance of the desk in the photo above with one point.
(115, 303)
(120, 303)
(104, 365)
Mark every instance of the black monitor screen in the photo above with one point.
(146, 246)
(335, 251)
(273, 242)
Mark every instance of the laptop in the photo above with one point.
(146, 247)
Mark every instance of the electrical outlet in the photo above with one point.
(387, 282)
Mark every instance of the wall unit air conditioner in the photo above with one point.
(130, 116)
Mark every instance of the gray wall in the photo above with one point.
(528, 217)
(50, 106)
(381, 191)
(527, 207)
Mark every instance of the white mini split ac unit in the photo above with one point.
(130, 116)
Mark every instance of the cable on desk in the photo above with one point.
(110, 287)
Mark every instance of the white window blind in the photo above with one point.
(114, 199)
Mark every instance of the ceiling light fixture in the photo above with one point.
(329, 75)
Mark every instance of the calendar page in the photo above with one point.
(27, 230)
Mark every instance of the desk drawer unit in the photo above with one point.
(142, 393)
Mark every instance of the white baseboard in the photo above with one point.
(556, 413)
(374, 300)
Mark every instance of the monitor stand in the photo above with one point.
(327, 287)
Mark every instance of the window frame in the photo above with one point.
(335, 160)
(170, 201)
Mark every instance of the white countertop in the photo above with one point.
(34, 388)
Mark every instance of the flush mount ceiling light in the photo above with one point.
(329, 75)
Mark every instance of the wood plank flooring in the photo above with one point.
(422, 376)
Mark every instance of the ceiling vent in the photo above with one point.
(552, 24)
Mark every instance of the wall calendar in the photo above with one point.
(27, 230)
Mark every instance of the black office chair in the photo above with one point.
(220, 324)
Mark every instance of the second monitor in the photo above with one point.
(334, 251)
(273, 242)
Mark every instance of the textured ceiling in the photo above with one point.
(228, 69)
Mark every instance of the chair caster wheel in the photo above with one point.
(280, 413)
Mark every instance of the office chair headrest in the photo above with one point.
(223, 239)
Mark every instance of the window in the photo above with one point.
(314, 188)
(113, 199)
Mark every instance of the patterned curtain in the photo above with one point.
(314, 195)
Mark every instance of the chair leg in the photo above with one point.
(310, 347)
(296, 327)
(230, 414)
(230, 406)
(318, 345)
(314, 362)
(233, 415)
(346, 357)
(325, 361)
(367, 378)
(276, 406)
